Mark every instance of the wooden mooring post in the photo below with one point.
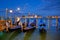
(56, 22)
(49, 22)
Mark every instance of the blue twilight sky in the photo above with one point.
(39, 7)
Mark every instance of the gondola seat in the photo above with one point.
(33, 24)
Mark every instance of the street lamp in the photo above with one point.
(10, 11)
(18, 9)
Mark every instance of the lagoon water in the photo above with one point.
(31, 35)
(51, 34)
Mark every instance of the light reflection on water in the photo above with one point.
(31, 35)
(52, 34)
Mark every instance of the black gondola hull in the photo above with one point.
(28, 28)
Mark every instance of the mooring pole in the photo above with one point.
(25, 22)
(36, 22)
(6, 18)
(49, 22)
(36, 19)
(56, 22)
(6, 13)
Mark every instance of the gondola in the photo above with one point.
(42, 29)
(33, 24)
(15, 28)
(27, 28)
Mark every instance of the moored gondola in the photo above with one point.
(14, 28)
(42, 30)
(11, 27)
(42, 27)
(27, 26)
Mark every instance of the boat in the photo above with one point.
(15, 28)
(33, 24)
(12, 27)
(42, 27)
(42, 30)
(27, 26)
(42, 24)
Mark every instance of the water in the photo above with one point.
(31, 35)
(52, 33)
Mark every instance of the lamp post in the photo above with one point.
(6, 19)
(6, 13)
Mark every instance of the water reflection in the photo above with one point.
(43, 35)
(57, 35)
(14, 34)
(31, 35)
(9, 35)
(28, 34)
